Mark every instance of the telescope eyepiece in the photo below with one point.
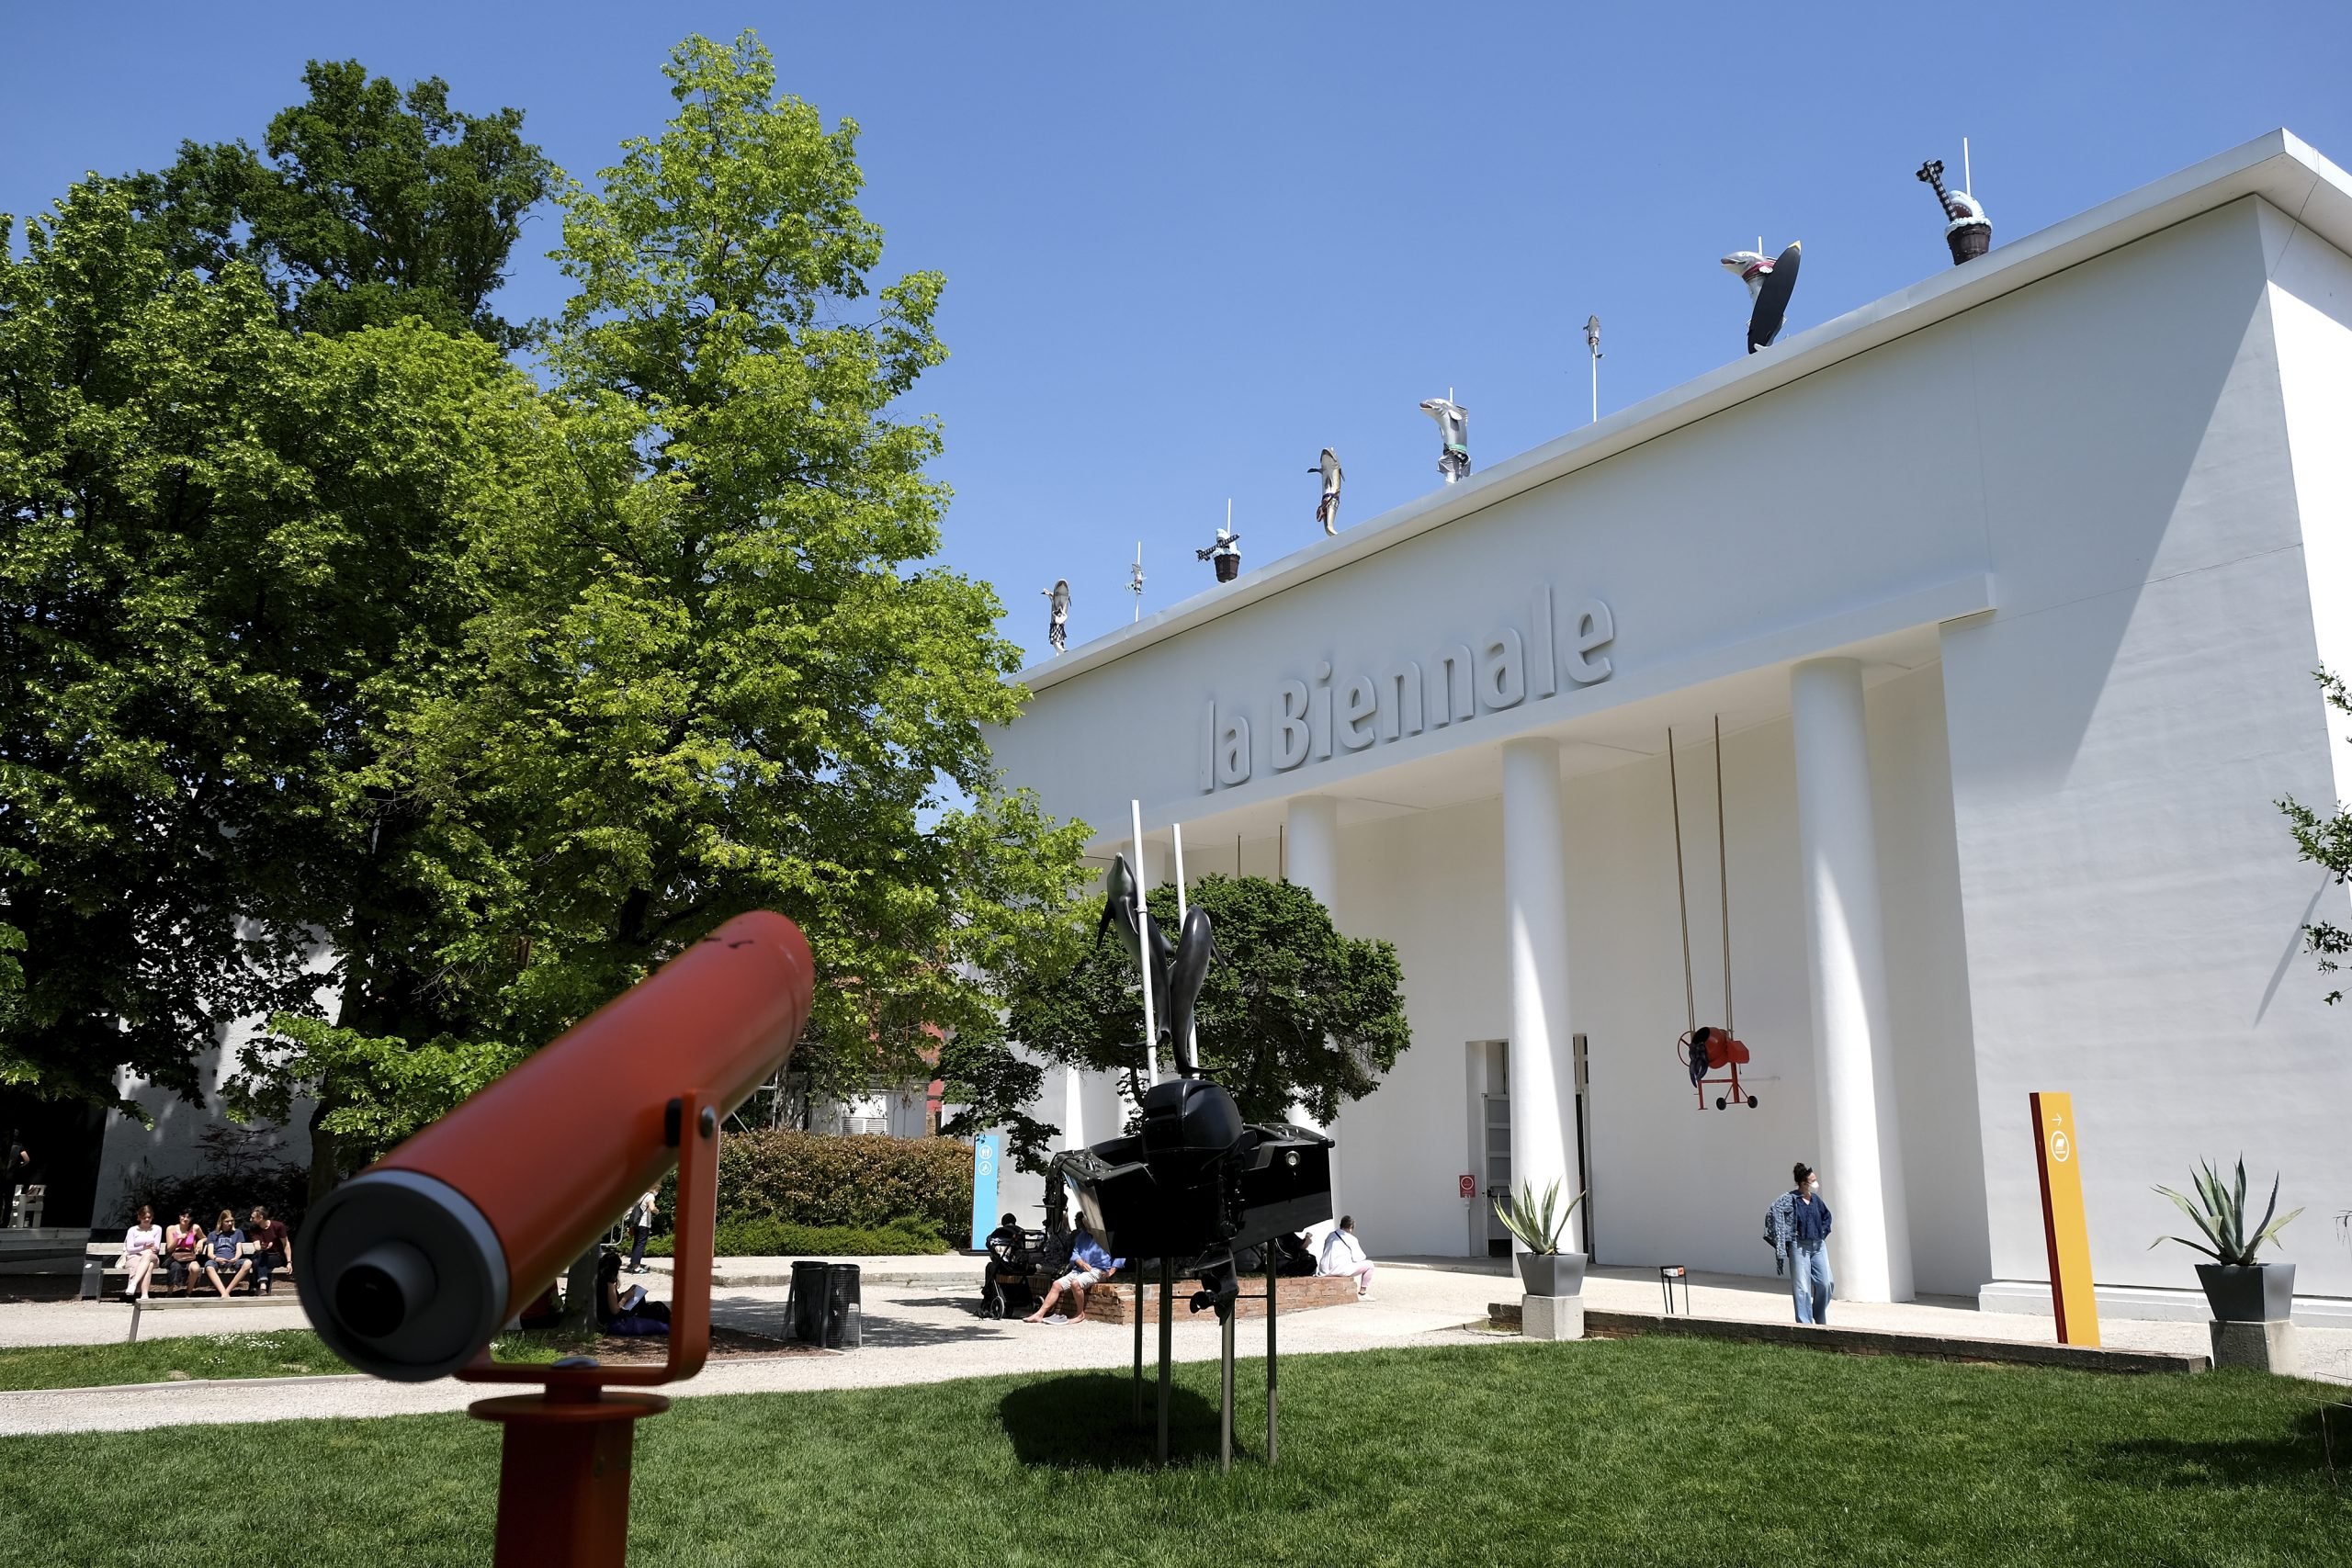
(401, 1275)
(379, 1290)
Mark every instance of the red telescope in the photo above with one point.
(408, 1269)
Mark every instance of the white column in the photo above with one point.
(1535, 930)
(1066, 1086)
(1312, 845)
(1862, 1164)
(1311, 842)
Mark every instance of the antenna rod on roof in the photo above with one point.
(1190, 1045)
(1592, 341)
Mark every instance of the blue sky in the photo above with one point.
(1188, 246)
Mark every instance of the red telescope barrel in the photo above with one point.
(408, 1269)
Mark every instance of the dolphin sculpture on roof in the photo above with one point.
(1770, 280)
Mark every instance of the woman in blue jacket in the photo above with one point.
(1798, 1227)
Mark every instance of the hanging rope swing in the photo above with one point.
(1704, 1048)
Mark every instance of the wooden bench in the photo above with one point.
(114, 1278)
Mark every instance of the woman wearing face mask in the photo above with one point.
(1798, 1227)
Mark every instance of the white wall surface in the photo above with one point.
(2310, 307)
(1927, 978)
(2119, 729)
(1672, 1182)
(1432, 883)
(2083, 871)
(170, 1147)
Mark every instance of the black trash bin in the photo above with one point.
(842, 1293)
(808, 1302)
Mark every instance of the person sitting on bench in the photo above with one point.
(143, 1248)
(271, 1247)
(1090, 1264)
(224, 1253)
(184, 1252)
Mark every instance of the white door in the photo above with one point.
(1498, 1179)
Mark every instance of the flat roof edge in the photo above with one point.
(2277, 165)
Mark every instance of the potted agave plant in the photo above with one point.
(1538, 1222)
(2238, 1289)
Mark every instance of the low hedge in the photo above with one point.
(775, 1238)
(867, 1182)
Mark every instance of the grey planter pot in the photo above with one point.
(2263, 1294)
(1552, 1273)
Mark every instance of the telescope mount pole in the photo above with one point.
(1167, 1344)
(1272, 1272)
(563, 1469)
(1225, 1390)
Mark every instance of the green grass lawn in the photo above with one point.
(1616, 1453)
(272, 1353)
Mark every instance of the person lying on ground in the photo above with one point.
(143, 1248)
(224, 1253)
(1090, 1264)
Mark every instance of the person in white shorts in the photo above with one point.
(1090, 1264)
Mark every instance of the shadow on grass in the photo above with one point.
(1086, 1421)
(2297, 1459)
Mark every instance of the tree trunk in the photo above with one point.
(580, 1290)
(325, 1154)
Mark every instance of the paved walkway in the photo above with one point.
(925, 1329)
(914, 1333)
(2327, 1352)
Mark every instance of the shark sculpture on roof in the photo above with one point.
(1453, 428)
(1326, 510)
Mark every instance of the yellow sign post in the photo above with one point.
(2057, 1153)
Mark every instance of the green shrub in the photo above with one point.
(775, 1239)
(867, 1182)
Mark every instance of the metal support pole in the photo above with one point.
(563, 1476)
(1225, 1391)
(1272, 1272)
(1167, 1344)
(1140, 1277)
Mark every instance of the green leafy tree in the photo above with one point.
(366, 203)
(1293, 1012)
(2326, 843)
(377, 1090)
(711, 669)
(231, 527)
(993, 1087)
(222, 545)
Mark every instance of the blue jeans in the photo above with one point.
(1809, 1277)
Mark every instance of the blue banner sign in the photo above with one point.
(988, 1157)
